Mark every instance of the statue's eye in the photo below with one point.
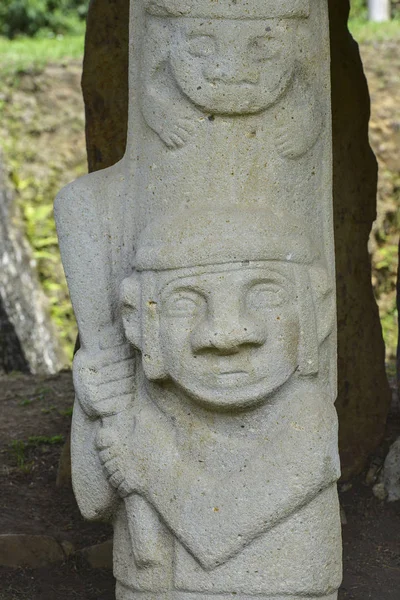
(263, 48)
(183, 304)
(263, 296)
(201, 45)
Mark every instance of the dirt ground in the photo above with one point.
(36, 415)
(36, 418)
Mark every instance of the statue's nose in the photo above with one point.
(227, 333)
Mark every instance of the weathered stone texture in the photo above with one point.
(204, 424)
(364, 395)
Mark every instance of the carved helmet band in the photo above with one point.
(229, 9)
(193, 239)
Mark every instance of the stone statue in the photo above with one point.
(227, 444)
(204, 427)
(215, 63)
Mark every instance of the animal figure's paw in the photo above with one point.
(175, 134)
(296, 136)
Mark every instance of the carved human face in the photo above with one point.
(232, 66)
(229, 334)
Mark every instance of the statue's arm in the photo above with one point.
(96, 498)
(105, 392)
(164, 108)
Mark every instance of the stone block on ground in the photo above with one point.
(20, 550)
(99, 556)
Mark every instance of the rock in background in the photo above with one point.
(27, 340)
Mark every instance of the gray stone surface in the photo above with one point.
(27, 340)
(204, 425)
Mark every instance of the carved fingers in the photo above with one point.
(296, 136)
(175, 134)
(292, 143)
(112, 445)
(104, 381)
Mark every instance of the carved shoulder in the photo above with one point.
(84, 196)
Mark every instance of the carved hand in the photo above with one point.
(132, 455)
(295, 138)
(299, 123)
(176, 133)
(113, 444)
(104, 381)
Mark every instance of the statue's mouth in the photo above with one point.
(233, 372)
(231, 377)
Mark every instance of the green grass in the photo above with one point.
(19, 449)
(365, 31)
(26, 53)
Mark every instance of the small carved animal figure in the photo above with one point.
(194, 67)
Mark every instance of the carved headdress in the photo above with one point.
(193, 238)
(230, 9)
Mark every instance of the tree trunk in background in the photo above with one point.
(27, 340)
(364, 394)
(379, 10)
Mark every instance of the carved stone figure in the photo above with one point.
(214, 62)
(204, 427)
(224, 443)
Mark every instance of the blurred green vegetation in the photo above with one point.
(25, 53)
(40, 121)
(364, 31)
(385, 273)
(42, 17)
(359, 9)
(36, 197)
